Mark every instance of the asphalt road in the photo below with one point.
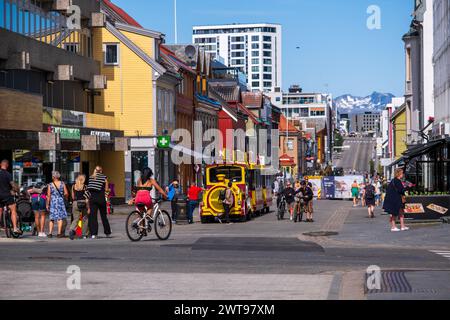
(261, 259)
(356, 154)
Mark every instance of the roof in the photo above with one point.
(252, 99)
(398, 111)
(122, 14)
(174, 59)
(285, 125)
(228, 91)
(250, 114)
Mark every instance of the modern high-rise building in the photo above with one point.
(253, 48)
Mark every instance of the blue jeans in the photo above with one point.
(191, 207)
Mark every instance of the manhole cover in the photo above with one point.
(321, 234)
(391, 282)
(49, 258)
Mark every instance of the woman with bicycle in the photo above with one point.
(57, 194)
(145, 186)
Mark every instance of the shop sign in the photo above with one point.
(104, 136)
(67, 133)
(163, 142)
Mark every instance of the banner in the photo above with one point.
(328, 190)
(343, 186)
(316, 182)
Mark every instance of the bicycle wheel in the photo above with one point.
(134, 231)
(163, 225)
(7, 223)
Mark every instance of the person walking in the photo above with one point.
(173, 191)
(362, 186)
(57, 194)
(98, 186)
(193, 197)
(289, 194)
(39, 205)
(80, 207)
(378, 191)
(7, 188)
(355, 193)
(394, 203)
(369, 197)
(308, 196)
(228, 202)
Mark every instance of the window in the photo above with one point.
(267, 38)
(112, 54)
(255, 69)
(238, 54)
(255, 45)
(267, 77)
(304, 112)
(267, 69)
(267, 46)
(255, 84)
(267, 84)
(160, 99)
(255, 38)
(255, 61)
(237, 46)
(255, 76)
(238, 62)
(237, 39)
(255, 53)
(72, 47)
(277, 99)
(267, 61)
(267, 53)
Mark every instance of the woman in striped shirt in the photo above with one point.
(97, 188)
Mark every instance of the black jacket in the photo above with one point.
(393, 202)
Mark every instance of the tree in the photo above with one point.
(338, 139)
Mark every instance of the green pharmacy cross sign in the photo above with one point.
(163, 142)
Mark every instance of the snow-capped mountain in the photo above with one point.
(351, 104)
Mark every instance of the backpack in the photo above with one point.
(370, 192)
(222, 195)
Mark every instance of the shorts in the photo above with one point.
(7, 201)
(143, 196)
(291, 205)
(38, 204)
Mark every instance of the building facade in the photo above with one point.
(365, 122)
(49, 83)
(256, 49)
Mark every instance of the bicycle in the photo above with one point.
(299, 210)
(7, 222)
(139, 222)
(281, 208)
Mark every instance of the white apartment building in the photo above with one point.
(256, 49)
(441, 61)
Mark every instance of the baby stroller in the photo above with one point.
(25, 212)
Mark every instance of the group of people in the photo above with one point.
(370, 193)
(52, 200)
(300, 195)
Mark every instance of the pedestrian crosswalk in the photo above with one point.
(442, 253)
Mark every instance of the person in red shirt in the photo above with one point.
(193, 196)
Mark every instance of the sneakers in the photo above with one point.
(94, 237)
(405, 229)
(292, 218)
(72, 235)
(395, 230)
(42, 235)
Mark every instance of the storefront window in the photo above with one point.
(139, 161)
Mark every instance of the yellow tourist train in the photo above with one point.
(252, 191)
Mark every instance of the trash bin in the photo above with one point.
(182, 203)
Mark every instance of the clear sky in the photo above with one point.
(337, 54)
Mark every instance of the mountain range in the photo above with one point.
(377, 101)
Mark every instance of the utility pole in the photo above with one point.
(175, 21)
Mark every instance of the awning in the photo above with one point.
(423, 149)
(400, 161)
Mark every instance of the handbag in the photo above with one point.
(66, 202)
(81, 205)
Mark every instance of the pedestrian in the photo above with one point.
(173, 191)
(310, 206)
(378, 191)
(355, 193)
(289, 194)
(228, 202)
(362, 186)
(394, 203)
(308, 196)
(7, 188)
(57, 195)
(98, 186)
(80, 207)
(369, 197)
(194, 200)
(39, 205)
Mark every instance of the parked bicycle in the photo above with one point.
(139, 222)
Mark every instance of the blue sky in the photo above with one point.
(338, 53)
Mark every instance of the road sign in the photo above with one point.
(163, 142)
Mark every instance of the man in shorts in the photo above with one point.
(6, 197)
(289, 195)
